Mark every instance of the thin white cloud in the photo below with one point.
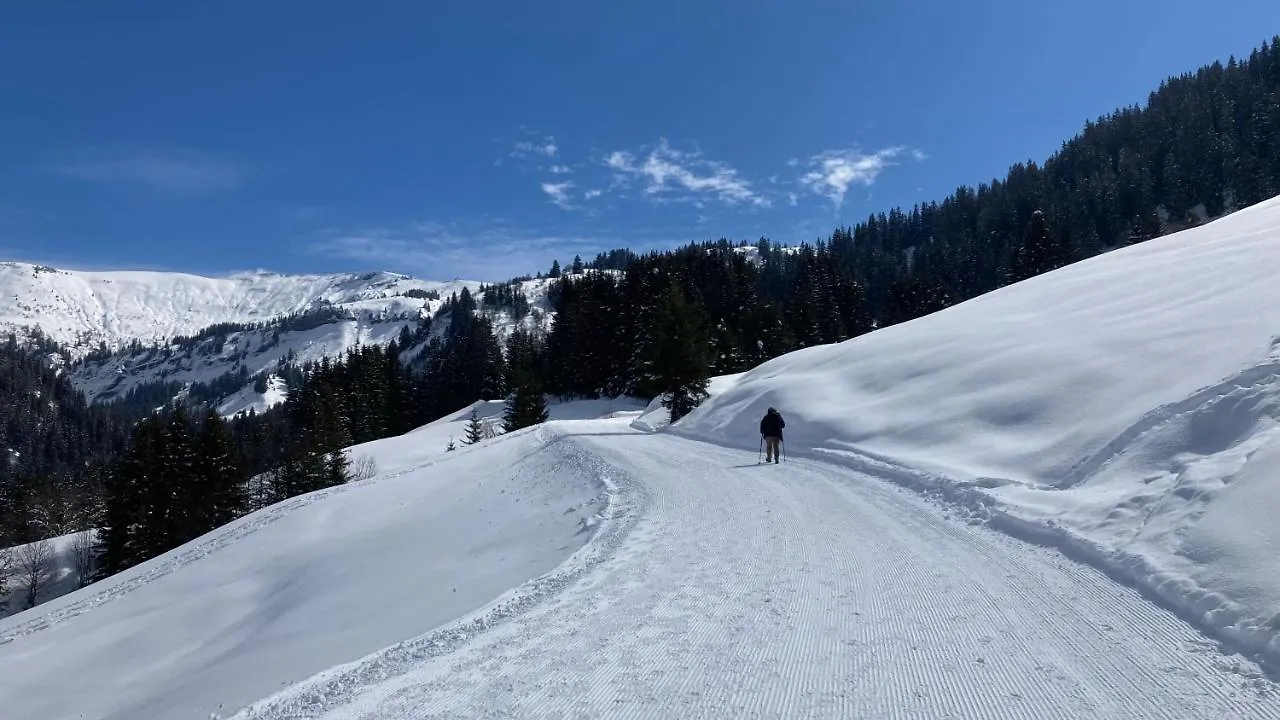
(439, 251)
(833, 171)
(546, 147)
(560, 169)
(177, 172)
(592, 193)
(671, 174)
(559, 193)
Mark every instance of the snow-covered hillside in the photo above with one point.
(304, 585)
(218, 356)
(1125, 408)
(84, 310)
(81, 309)
(585, 569)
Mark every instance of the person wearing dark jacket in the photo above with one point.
(771, 430)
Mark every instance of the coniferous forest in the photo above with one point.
(658, 324)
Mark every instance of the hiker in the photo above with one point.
(771, 430)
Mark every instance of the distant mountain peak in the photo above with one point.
(85, 309)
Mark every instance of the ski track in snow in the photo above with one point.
(718, 588)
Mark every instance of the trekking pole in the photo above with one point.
(760, 454)
(782, 449)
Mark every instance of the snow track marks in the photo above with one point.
(800, 590)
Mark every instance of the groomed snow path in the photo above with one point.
(801, 590)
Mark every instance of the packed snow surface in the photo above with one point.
(1123, 408)
(602, 571)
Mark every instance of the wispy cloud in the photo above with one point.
(174, 172)
(489, 251)
(559, 193)
(833, 171)
(672, 174)
(662, 174)
(443, 251)
(545, 147)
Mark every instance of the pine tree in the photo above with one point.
(681, 353)
(129, 498)
(218, 477)
(526, 406)
(1033, 254)
(475, 429)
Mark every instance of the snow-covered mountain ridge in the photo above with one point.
(83, 310)
(185, 330)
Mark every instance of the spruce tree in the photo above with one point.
(475, 429)
(681, 357)
(129, 498)
(218, 477)
(1035, 254)
(526, 406)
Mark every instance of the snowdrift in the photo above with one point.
(1124, 408)
(310, 583)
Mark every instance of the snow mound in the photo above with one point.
(313, 582)
(1124, 408)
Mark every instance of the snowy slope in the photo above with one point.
(388, 456)
(314, 581)
(1124, 407)
(257, 350)
(81, 309)
(585, 569)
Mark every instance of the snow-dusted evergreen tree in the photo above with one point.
(526, 405)
(130, 498)
(218, 481)
(681, 353)
(475, 429)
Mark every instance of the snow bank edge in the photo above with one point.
(339, 685)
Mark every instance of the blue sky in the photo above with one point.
(483, 139)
